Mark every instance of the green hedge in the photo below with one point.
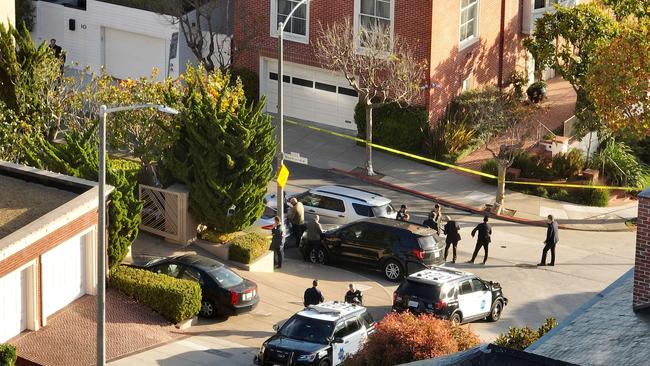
(248, 247)
(8, 355)
(250, 81)
(173, 298)
(393, 126)
(521, 338)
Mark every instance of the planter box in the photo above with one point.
(263, 264)
(218, 250)
(186, 324)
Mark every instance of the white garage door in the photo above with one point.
(13, 304)
(310, 93)
(63, 275)
(133, 55)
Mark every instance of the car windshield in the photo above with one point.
(269, 212)
(384, 211)
(225, 277)
(427, 242)
(307, 329)
(420, 290)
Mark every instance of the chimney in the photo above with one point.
(641, 293)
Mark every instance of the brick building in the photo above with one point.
(465, 43)
(48, 245)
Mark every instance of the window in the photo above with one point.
(352, 232)
(274, 76)
(326, 87)
(540, 4)
(373, 15)
(170, 269)
(465, 288)
(363, 210)
(309, 199)
(468, 22)
(377, 237)
(478, 285)
(420, 290)
(344, 329)
(467, 84)
(367, 320)
(307, 329)
(302, 82)
(332, 204)
(348, 91)
(192, 275)
(296, 28)
(225, 277)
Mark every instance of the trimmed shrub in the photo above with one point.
(175, 299)
(394, 126)
(568, 165)
(8, 355)
(594, 197)
(248, 247)
(402, 338)
(521, 338)
(490, 167)
(219, 238)
(250, 82)
(535, 167)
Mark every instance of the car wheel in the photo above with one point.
(455, 319)
(208, 309)
(495, 312)
(324, 362)
(393, 270)
(318, 255)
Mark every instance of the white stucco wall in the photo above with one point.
(85, 45)
(8, 11)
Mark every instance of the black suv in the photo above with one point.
(450, 294)
(393, 246)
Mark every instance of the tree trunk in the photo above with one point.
(369, 170)
(501, 189)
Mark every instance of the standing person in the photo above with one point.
(313, 296)
(297, 218)
(277, 241)
(430, 222)
(314, 231)
(452, 231)
(552, 237)
(402, 215)
(58, 52)
(483, 240)
(353, 296)
(437, 211)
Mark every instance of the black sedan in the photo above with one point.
(224, 292)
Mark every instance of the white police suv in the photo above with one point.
(319, 335)
(451, 294)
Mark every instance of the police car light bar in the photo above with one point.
(334, 307)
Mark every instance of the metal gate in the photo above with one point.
(164, 212)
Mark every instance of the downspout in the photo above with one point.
(502, 40)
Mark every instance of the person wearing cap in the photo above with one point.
(402, 215)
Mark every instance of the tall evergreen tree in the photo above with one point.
(225, 151)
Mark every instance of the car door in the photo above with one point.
(351, 335)
(466, 299)
(375, 242)
(348, 246)
(483, 296)
(331, 210)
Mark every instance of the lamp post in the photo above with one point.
(280, 157)
(101, 234)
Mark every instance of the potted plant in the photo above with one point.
(536, 91)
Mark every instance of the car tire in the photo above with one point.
(208, 309)
(318, 255)
(393, 270)
(495, 311)
(456, 318)
(324, 362)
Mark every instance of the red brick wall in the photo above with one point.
(641, 294)
(479, 62)
(48, 242)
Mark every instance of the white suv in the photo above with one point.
(342, 205)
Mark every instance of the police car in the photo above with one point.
(451, 294)
(319, 335)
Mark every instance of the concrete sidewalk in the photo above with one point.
(327, 151)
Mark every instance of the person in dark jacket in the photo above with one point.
(451, 230)
(277, 241)
(313, 296)
(483, 239)
(430, 222)
(552, 237)
(402, 215)
(353, 296)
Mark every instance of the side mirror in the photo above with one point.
(337, 340)
(276, 327)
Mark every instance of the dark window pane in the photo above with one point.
(298, 26)
(418, 289)
(303, 82)
(333, 204)
(326, 87)
(466, 288)
(301, 12)
(363, 210)
(348, 91)
(383, 9)
(284, 7)
(368, 7)
(540, 4)
(273, 76)
(286, 79)
(478, 285)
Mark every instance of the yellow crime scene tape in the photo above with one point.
(456, 167)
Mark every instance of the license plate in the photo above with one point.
(247, 296)
(436, 254)
(413, 304)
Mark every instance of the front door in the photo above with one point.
(352, 335)
(467, 300)
(349, 244)
(483, 296)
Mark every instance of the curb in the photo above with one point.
(456, 205)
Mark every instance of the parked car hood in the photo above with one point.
(281, 342)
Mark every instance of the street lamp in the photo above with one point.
(101, 257)
(280, 158)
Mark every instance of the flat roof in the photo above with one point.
(22, 202)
